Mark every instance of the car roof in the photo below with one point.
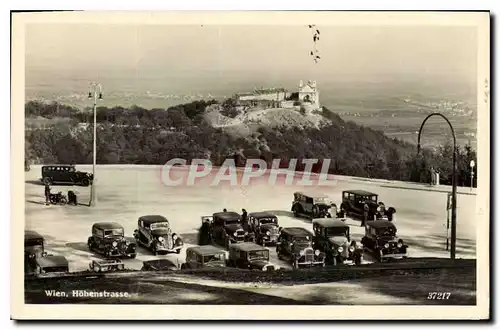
(31, 234)
(247, 246)
(360, 192)
(330, 222)
(149, 219)
(227, 215)
(159, 262)
(297, 231)
(262, 215)
(381, 224)
(205, 249)
(108, 225)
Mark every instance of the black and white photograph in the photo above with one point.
(272, 162)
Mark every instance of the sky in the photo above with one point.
(178, 58)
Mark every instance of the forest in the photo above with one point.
(153, 136)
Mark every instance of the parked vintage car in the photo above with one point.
(158, 265)
(204, 256)
(332, 237)
(108, 239)
(66, 174)
(154, 233)
(264, 226)
(248, 255)
(36, 260)
(295, 244)
(380, 239)
(111, 265)
(226, 228)
(311, 206)
(354, 201)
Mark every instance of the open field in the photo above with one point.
(127, 192)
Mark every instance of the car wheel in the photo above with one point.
(133, 255)
(85, 182)
(358, 260)
(315, 211)
(295, 212)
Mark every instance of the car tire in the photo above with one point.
(133, 255)
(85, 182)
(315, 211)
(295, 211)
(358, 260)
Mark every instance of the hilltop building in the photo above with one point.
(307, 95)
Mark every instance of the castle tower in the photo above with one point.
(309, 93)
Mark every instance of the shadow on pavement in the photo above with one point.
(146, 291)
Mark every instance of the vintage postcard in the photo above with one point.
(250, 165)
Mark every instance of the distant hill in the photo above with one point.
(201, 129)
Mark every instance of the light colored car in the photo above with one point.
(311, 206)
(154, 233)
(204, 256)
(36, 260)
(295, 244)
(248, 255)
(332, 237)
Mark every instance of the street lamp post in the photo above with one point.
(95, 92)
(472, 164)
(454, 182)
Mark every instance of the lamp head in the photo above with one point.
(100, 96)
(90, 95)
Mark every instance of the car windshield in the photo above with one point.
(113, 232)
(320, 200)
(33, 243)
(264, 221)
(368, 198)
(336, 231)
(301, 241)
(214, 258)
(261, 254)
(232, 221)
(159, 225)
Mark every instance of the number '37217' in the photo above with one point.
(439, 295)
